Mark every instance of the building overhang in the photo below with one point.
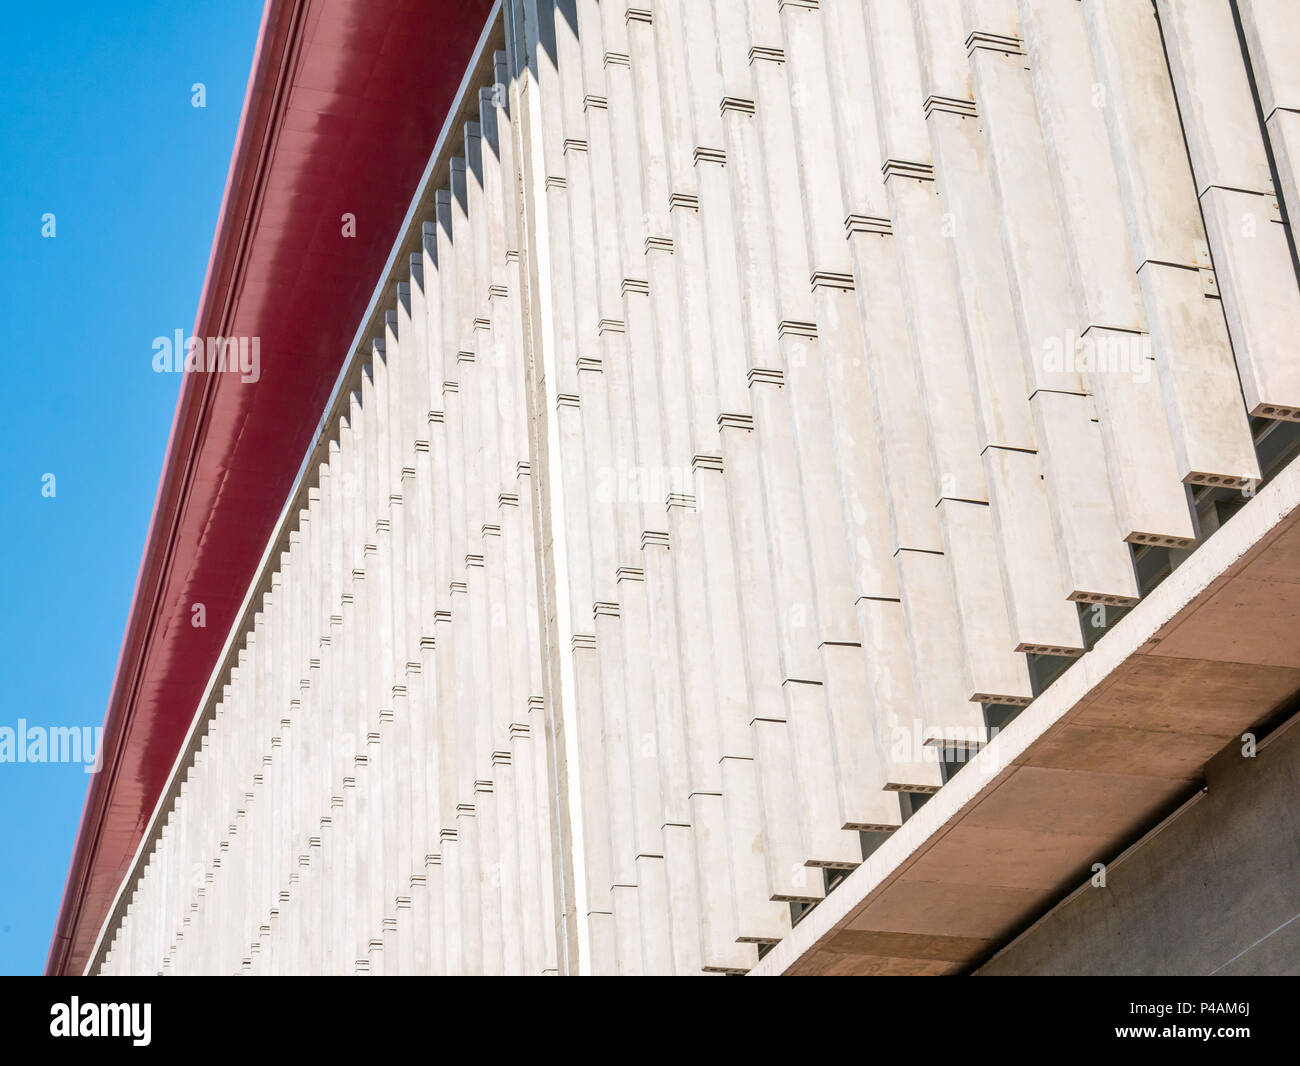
(344, 105)
(1115, 745)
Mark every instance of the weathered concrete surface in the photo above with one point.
(1105, 754)
(1215, 890)
(756, 390)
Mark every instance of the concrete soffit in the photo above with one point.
(1115, 745)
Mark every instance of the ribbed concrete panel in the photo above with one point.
(1272, 32)
(994, 364)
(1108, 334)
(942, 388)
(1192, 352)
(1096, 561)
(756, 397)
(1248, 243)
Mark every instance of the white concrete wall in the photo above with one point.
(769, 380)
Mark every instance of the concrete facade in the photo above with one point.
(765, 404)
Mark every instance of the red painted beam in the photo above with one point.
(344, 105)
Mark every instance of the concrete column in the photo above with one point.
(262, 846)
(307, 940)
(351, 445)
(1097, 563)
(1251, 255)
(374, 710)
(1272, 32)
(1005, 386)
(832, 622)
(330, 787)
(1212, 441)
(225, 955)
(836, 367)
(392, 664)
(511, 618)
(599, 338)
(783, 544)
(703, 234)
(259, 878)
(708, 616)
(581, 925)
(341, 745)
(299, 670)
(402, 355)
(486, 580)
(459, 845)
(940, 599)
(650, 674)
(532, 757)
(419, 551)
(1111, 324)
(436, 653)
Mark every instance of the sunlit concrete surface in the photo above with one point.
(1164, 709)
(814, 478)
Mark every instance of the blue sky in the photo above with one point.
(100, 131)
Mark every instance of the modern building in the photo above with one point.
(732, 486)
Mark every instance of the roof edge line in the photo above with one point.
(355, 354)
(280, 26)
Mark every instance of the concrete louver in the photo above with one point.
(757, 399)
